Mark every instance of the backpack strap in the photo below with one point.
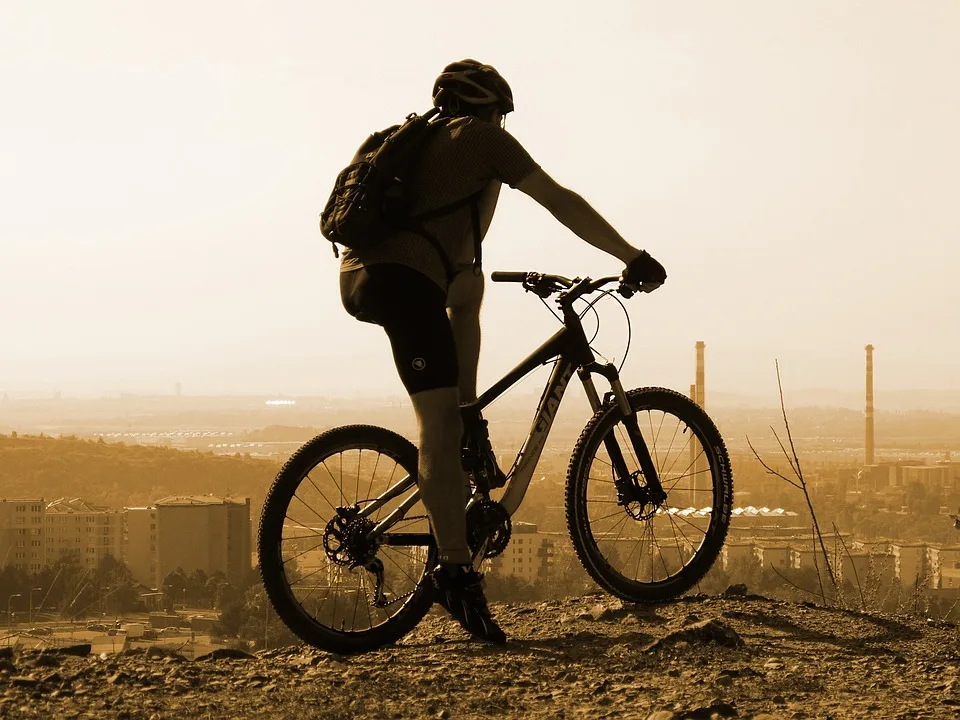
(475, 221)
(416, 225)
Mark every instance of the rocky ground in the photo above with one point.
(739, 656)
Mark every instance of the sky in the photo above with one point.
(794, 165)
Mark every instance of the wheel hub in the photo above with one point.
(347, 540)
(637, 498)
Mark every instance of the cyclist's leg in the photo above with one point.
(443, 484)
(412, 311)
(463, 307)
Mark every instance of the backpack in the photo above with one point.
(371, 202)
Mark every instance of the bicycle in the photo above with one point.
(346, 570)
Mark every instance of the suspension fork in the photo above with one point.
(628, 489)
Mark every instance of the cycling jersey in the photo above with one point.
(464, 155)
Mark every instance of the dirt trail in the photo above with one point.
(589, 657)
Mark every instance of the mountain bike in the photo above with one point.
(345, 546)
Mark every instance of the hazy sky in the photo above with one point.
(794, 165)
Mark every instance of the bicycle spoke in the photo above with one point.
(649, 549)
(656, 461)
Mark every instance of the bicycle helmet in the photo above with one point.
(472, 83)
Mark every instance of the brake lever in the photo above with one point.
(540, 287)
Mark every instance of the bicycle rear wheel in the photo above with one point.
(650, 552)
(317, 563)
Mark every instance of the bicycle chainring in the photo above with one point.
(488, 521)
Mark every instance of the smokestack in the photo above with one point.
(868, 459)
(694, 445)
(701, 401)
(698, 462)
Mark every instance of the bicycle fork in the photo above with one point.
(629, 487)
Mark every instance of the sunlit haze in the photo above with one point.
(793, 165)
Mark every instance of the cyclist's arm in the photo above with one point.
(577, 214)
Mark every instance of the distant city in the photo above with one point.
(884, 485)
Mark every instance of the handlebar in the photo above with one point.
(546, 285)
(508, 276)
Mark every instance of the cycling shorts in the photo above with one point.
(412, 310)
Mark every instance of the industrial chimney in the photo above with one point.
(698, 463)
(868, 459)
(700, 390)
(694, 445)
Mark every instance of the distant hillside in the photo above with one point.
(120, 475)
(884, 399)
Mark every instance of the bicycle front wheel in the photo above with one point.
(332, 581)
(649, 551)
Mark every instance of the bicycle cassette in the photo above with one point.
(488, 521)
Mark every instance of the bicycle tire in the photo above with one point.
(585, 541)
(270, 543)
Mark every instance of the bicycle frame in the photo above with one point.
(571, 350)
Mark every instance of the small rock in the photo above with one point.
(662, 715)
(711, 630)
(600, 612)
(53, 678)
(226, 654)
(79, 650)
(772, 664)
(736, 590)
(117, 677)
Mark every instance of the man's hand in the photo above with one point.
(643, 273)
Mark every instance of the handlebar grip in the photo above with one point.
(508, 276)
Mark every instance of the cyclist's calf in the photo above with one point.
(443, 484)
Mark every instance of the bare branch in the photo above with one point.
(770, 470)
(792, 584)
(816, 564)
(796, 471)
(786, 424)
(856, 575)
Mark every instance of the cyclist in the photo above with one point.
(433, 322)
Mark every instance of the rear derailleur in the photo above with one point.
(348, 543)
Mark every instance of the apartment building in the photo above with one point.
(736, 551)
(203, 532)
(529, 554)
(909, 562)
(21, 533)
(88, 532)
(774, 555)
(140, 544)
(943, 566)
(867, 568)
